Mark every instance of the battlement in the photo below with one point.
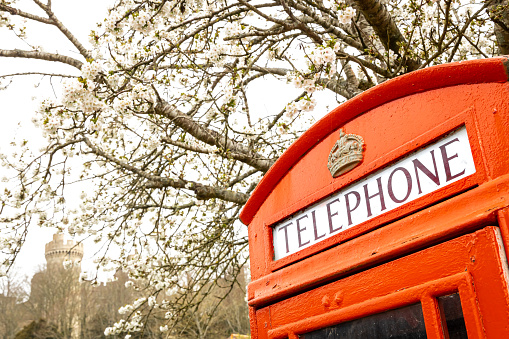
(58, 250)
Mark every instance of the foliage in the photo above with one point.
(12, 294)
(39, 330)
(231, 316)
(67, 308)
(157, 117)
(57, 297)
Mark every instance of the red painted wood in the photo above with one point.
(277, 208)
(384, 146)
(432, 316)
(503, 222)
(469, 264)
(438, 77)
(395, 119)
(460, 214)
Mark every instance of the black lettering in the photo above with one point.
(286, 235)
(299, 230)
(408, 184)
(348, 209)
(446, 159)
(433, 177)
(330, 215)
(379, 193)
(314, 227)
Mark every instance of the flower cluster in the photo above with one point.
(141, 22)
(171, 98)
(322, 55)
(4, 19)
(90, 70)
(345, 16)
(306, 104)
(125, 309)
(308, 84)
(79, 94)
(231, 29)
(114, 24)
(134, 324)
(345, 13)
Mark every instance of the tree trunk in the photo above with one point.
(499, 13)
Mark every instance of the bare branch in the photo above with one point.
(38, 73)
(47, 8)
(211, 137)
(381, 20)
(186, 146)
(242, 177)
(15, 11)
(203, 192)
(18, 53)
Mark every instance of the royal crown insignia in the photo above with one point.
(346, 154)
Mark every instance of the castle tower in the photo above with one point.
(58, 250)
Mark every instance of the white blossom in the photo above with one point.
(345, 16)
(168, 131)
(67, 264)
(90, 70)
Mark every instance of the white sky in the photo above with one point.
(21, 99)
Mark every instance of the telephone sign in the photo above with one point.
(390, 216)
(427, 170)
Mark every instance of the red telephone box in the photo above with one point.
(389, 217)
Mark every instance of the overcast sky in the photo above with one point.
(21, 99)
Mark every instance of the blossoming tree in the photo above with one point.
(157, 118)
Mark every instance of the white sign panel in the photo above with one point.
(421, 173)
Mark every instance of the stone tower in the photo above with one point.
(58, 250)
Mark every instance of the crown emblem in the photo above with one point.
(346, 154)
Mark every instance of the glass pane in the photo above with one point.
(402, 323)
(452, 317)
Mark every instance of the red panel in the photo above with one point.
(472, 72)
(274, 210)
(470, 264)
(426, 116)
(394, 119)
(463, 213)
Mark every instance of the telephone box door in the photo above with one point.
(457, 289)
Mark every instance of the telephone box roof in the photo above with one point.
(466, 72)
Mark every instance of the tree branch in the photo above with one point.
(38, 73)
(18, 53)
(239, 152)
(202, 192)
(380, 19)
(327, 24)
(186, 146)
(15, 11)
(47, 8)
